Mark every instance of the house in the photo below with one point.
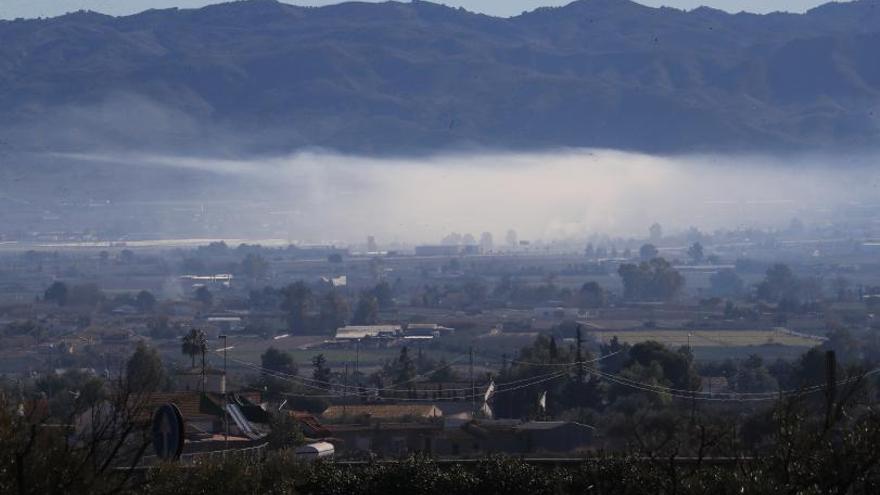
(438, 392)
(553, 436)
(558, 313)
(340, 281)
(441, 250)
(204, 417)
(225, 323)
(310, 425)
(382, 411)
(204, 420)
(33, 410)
(426, 331)
(365, 332)
(471, 250)
(211, 281)
(212, 380)
(126, 310)
(714, 384)
(386, 439)
(456, 413)
(461, 439)
(485, 436)
(532, 437)
(202, 413)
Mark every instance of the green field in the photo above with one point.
(715, 345)
(711, 338)
(768, 353)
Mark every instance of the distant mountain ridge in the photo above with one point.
(411, 77)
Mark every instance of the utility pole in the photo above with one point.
(378, 386)
(473, 386)
(225, 397)
(690, 387)
(830, 386)
(580, 357)
(345, 391)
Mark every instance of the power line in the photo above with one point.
(334, 394)
(571, 364)
(421, 375)
(325, 385)
(522, 383)
(726, 396)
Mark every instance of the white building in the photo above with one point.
(353, 332)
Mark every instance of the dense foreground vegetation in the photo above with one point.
(807, 447)
(802, 473)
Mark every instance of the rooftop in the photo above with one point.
(360, 332)
(383, 411)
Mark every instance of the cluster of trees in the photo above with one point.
(195, 343)
(405, 369)
(601, 252)
(90, 296)
(571, 390)
(590, 295)
(71, 392)
(470, 294)
(402, 370)
(31, 328)
(84, 295)
(161, 327)
(309, 312)
(726, 283)
(753, 374)
(781, 291)
(782, 286)
(654, 280)
(279, 367)
(77, 432)
(475, 294)
(521, 294)
(244, 261)
(577, 391)
(144, 301)
(371, 302)
(642, 372)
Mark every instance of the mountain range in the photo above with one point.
(388, 78)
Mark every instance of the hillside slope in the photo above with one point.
(410, 77)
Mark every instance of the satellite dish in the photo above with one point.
(168, 432)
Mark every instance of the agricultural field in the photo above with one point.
(711, 338)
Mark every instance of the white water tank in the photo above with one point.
(318, 450)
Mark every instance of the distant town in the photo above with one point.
(456, 350)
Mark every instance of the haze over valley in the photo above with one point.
(325, 198)
(413, 120)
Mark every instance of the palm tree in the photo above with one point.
(194, 343)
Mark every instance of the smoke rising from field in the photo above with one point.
(561, 194)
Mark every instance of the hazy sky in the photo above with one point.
(11, 9)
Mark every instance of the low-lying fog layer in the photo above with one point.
(562, 194)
